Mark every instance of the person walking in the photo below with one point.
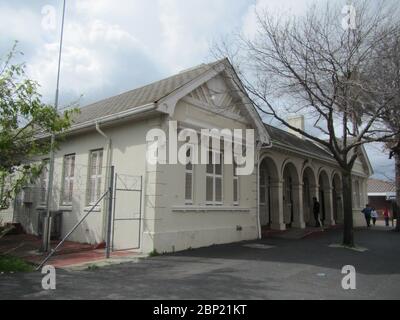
(374, 216)
(386, 215)
(316, 211)
(367, 214)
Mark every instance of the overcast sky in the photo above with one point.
(112, 46)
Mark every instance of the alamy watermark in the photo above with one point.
(49, 280)
(349, 20)
(49, 18)
(349, 282)
(237, 144)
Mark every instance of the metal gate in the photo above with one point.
(127, 212)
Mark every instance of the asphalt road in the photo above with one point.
(268, 269)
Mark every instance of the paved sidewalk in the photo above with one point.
(70, 256)
(268, 269)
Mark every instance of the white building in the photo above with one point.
(181, 206)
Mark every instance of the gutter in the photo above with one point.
(115, 117)
(107, 178)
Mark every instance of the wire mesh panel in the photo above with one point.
(127, 217)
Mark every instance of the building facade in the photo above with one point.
(382, 196)
(173, 207)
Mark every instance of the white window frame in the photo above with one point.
(98, 176)
(44, 181)
(190, 172)
(237, 182)
(215, 176)
(68, 178)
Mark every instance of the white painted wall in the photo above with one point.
(128, 157)
(179, 227)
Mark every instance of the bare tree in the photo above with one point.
(314, 66)
(385, 68)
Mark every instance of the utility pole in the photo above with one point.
(47, 224)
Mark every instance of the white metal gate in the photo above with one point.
(127, 212)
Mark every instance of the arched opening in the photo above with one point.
(309, 192)
(291, 197)
(325, 195)
(269, 204)
(337, 196)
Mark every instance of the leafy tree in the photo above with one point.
(26, 124)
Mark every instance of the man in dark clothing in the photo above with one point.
(367, 213)
(316, 211)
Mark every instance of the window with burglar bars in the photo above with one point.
(214, 179)
(68, 179)
(189, 180)
(44, 181)
(95, 176)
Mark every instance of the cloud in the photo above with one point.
(99, 59)
(109, 47)
(383, 166)
(188, 27)
(114, 46)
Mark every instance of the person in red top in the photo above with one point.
(386, 214)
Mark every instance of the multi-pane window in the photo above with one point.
(68, 179)
(214, 179)
(95, 175)
(189, 180)
(263, 187)
(235, 185)
(44, 181)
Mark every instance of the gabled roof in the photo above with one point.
(161, 96)
(381, 186)
(290, 140)
(148, 94)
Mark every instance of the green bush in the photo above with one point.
(154, 253)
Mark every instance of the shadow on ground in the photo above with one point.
(382, 257)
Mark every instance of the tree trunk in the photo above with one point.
(348, 232)
(397, 207)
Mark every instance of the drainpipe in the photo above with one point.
(259, 147)
(108, 168)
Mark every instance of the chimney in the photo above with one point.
(297, 122)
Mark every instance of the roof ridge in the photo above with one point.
(204, 65)
(307, 143)
(295, 136)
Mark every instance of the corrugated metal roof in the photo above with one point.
(290, 140)
(139, 97)
(153, 92)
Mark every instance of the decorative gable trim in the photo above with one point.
(168, 104)
(202, 94)
(233, 114)
(366, 162)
